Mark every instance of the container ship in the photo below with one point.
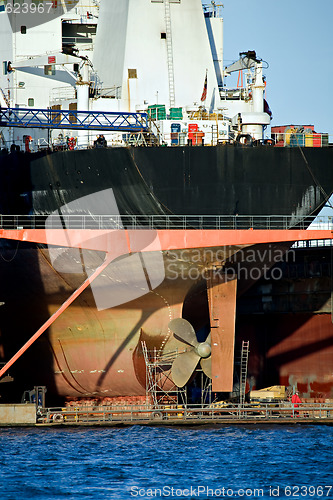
(203, 160)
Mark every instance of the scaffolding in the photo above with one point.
(160, 388)
(161, 391)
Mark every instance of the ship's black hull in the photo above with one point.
(225, 180)
(239, 180)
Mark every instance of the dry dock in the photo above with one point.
(28, 415)
(17, 414)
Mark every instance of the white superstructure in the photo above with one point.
(132, 53)
(160, 56)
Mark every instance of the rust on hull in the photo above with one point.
(222, 306)
(94, 351)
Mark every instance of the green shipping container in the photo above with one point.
(325, 140)
(176, 113)
(157, 112)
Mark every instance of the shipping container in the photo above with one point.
(175, 129)
(157, 112)
(176, 113)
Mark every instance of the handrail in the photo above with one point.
(139, 221)
(237, 412)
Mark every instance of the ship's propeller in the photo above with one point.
(186, 362)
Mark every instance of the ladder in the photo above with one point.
(243, 371)
(171, 75)
(215, 135)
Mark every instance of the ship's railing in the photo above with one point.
(62, 93)
(313, 244)
(213, 222)
(217, 412)
(241, 93)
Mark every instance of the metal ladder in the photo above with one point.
(215, 135)
(171, 75)
(243, 371)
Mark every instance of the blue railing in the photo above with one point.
(72, 119)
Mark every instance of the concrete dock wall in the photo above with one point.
(17, 414)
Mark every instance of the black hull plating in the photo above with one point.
(225, 180)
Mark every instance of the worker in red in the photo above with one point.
(27, 141)
(295, 400)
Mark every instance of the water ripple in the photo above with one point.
(125, 463)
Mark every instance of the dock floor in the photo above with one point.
(167, 415)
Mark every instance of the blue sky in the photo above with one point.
(296, 38)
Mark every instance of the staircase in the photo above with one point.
(5, 98)
(243, 371)
(169, 53)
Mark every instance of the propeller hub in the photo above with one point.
(203, 350)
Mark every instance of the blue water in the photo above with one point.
(192, 463)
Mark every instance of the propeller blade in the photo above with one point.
(206, 365)
(184, 331)
(183, 367)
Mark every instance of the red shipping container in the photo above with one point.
(317, 140)
(193, 127)
(192, 130)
